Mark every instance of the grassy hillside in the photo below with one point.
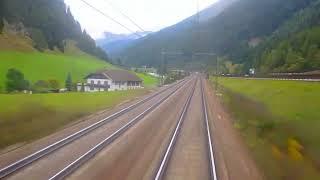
(25, 117)
(280, 121)
(48, 24)
(44, 66)
(148, 80)
(15, 42)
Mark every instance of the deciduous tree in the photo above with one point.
(16, 81)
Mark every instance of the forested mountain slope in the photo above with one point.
(235, 34)
(295, 46)
(49, 23)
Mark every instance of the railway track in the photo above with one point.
(165, 161)
(213, 173)
(96, 149)
(24, 162)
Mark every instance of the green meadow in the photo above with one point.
(148, 80)
(44, 66)
(293, 100)
(25, 117)
(280, 121)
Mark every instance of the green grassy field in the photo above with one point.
(280, 121)
(26, 117)
(43, 66)
(291, 100)
(148, 80)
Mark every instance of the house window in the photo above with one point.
(92, 81)
(99, 82)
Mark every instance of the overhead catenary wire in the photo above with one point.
(109, 17)
(126, 16)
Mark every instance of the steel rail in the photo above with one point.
(164, 163)
(93, 151)
(12, 168)
(213, 173)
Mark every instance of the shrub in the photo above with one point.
(54, 84)
(16, 81)
(41, 86)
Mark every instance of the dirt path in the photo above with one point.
(233, 158)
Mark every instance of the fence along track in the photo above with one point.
(92, 152)
(14, 167)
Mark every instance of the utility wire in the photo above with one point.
(126, 16)
(108, 17)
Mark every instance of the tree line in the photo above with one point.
(294, 47)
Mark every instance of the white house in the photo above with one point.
(110, 80)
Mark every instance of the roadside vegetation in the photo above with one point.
(280, 122)
(25, 117)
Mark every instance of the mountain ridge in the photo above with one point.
(227, 34)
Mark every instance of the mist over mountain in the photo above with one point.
(212, 10)
(113, 43)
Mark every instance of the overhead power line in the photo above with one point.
(109, 17)
(126, 16)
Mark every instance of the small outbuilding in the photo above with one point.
(110, 80)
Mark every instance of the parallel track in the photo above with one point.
(96, 149)
(166, 158)
(16, 166)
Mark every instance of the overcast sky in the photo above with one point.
(151, 15)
